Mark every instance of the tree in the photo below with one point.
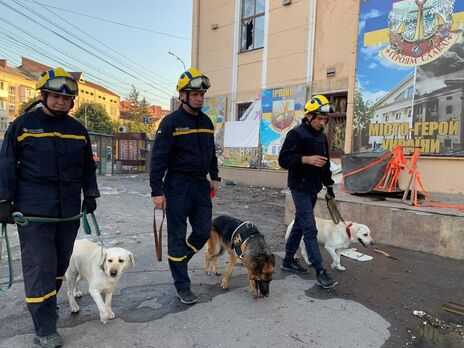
(26, 104)
(138, 108)
(363, 114)
(95, 118)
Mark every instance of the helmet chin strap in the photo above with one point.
(54, 112)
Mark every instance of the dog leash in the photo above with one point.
(157, 232)
(333, 210)
(4, 235)
(22, 220)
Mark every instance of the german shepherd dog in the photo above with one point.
(244, 242)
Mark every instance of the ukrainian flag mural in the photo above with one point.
(410, 76)
(282, 109)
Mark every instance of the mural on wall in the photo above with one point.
(410, 77)
(215, 108)
(282, 109)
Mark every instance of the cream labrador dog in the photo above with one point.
(336, 238)
(102, 268)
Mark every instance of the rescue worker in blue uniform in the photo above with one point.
(183, 155)
(305, 153)
(45, 164)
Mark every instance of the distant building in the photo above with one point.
(15, 88)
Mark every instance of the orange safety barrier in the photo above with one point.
(389, 181)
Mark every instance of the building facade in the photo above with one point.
(15, 88)
(280, 52)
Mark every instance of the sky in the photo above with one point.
(374, 74)
(116, 56)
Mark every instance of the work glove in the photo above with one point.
(330, 191)
(6, 209)
(89, 204)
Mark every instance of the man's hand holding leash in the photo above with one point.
(159, 202)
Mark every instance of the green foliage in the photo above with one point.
(363, 114)
(95, 118)
(26, 104)
(139, 107)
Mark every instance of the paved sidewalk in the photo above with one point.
(371, 307)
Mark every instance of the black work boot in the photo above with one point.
(51, 341)
(293, 266)
(186, 296)
(325, 280)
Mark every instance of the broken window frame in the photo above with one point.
(250, 17)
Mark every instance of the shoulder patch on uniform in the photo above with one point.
(33, 131)
(184, 129)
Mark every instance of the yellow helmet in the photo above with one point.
(57, 81)
(318, 104)
(192, 79)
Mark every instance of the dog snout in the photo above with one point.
(113, 273)
(263, 287)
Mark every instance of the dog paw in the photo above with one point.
(78, 293)
(341, 268)
(74, 308)
(333, 265)
(224, 285)
(104, 318)
(111, 314)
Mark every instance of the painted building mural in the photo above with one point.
(215, 108)
(410, 76)
(282, 109)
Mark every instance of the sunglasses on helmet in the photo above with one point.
(200, 82)
(61, 85)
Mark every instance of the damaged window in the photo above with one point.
(252, 24)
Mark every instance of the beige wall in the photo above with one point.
(439, 175)
(90, 94)
(24, 90)
(214, 56)
(287, 49)
(335, 44)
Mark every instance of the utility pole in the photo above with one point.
(85, 115)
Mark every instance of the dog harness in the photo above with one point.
(239, 237)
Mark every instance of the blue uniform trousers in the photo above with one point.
(186, 197)
(304, 226)
(45, 252)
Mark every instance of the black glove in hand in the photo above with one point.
(330, 191)
(89, 204)
(6, 209)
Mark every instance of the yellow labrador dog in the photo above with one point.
(336, 238)
(102, 268)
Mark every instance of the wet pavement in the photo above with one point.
(371, 307)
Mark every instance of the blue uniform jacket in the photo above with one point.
(184, 145)
(45, 163)
(304, 140)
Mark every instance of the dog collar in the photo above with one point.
(348, 231)
(239, 237)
